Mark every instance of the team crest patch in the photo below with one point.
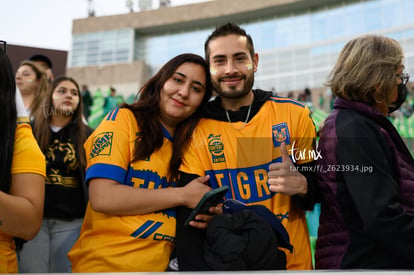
(216, 148)
(102, 144)
(280, 133)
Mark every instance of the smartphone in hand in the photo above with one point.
(211, 198)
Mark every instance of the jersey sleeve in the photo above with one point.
(27, 156)
(109, 149)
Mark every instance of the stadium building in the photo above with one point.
(297, 41)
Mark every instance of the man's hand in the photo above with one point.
(283, 178)
(201, 220)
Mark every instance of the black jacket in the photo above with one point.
(242, 241)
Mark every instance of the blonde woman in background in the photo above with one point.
(32, 81)
(366, 171)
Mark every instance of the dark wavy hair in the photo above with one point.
(43, 116)
(147, 110)
(8, 113)
(228, 29)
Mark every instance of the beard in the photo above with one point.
(232, 92)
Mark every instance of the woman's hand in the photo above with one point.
(195, 190)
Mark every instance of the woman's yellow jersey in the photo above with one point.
(111, 243)
(27, 158)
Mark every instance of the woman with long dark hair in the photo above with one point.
(132, 165)
(60, 133)
(22, 173)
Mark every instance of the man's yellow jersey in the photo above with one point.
(238, 155)
(27, 158)
(110, 243)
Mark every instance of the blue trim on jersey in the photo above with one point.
(279, 99)
(113, 172)
(108, 171)
(112, 114)
(151, 230)
(149, 178)
(170, 212)
(142, 228)
(244, 179)
(167, 135)
(108, 115)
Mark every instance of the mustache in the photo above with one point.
(232, 77)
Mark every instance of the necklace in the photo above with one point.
(247, 117)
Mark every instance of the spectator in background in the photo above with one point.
(31, 79)
(22, 172)
(291, 95)
(366, 171)
(111, 101)
(321, 101)
(46, 64)
(305, 96)
(60, 133)
(87, 101)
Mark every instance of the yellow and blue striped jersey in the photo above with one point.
(110, 243)
(238, 155)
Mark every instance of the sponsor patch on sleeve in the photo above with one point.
(102, 145)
